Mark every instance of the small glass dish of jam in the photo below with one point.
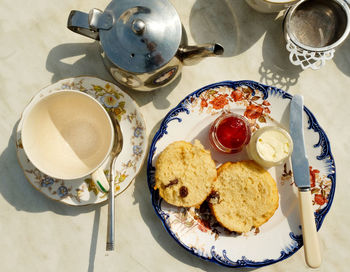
(229, 133)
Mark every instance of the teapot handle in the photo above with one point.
(79, 22)
(89, 24)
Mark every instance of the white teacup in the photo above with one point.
(68, 135)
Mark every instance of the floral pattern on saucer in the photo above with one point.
(196, 230)
(126, 165)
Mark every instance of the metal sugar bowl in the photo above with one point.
(141, 40)
(313, 29)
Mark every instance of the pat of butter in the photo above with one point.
(273, 146)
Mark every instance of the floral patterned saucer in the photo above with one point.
(196, 229)
(127, 164)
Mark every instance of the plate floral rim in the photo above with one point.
(326, 154)
(126, 109)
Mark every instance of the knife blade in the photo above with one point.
(299, 159)
(301, 174)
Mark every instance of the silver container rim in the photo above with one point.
(289, 34)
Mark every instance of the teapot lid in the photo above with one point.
(142, 36)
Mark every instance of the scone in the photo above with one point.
(245, 196)
(185, 174)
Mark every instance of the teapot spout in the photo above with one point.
(190, 55)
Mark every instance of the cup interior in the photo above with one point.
(318, 23)
(67, 134)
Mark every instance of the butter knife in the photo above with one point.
(301, 175)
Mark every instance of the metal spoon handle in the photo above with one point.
(117, 148)
(111, 218)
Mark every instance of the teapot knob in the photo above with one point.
(138, 26)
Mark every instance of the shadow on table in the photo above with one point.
(142, 198)
(276, 69)
(17, 191)
(342, 58)
(233, 24)
(237, 29)
(83, 59)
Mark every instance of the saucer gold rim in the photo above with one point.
(131, 107)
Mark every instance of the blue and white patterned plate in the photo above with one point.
(125, 167)
(195, 229)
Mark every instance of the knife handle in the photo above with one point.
(310, 238)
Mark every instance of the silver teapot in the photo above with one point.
(141, 40)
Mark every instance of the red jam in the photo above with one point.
(230, 133)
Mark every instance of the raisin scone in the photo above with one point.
(185, 174)
(246, 196)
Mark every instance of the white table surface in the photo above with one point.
(36, 50)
